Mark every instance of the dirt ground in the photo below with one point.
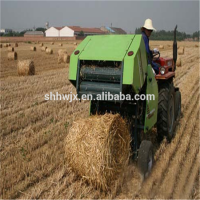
(33, 132)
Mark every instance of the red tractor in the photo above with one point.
(169, 104)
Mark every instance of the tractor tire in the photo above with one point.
(166, 111)
(145, 158)
(177, 105)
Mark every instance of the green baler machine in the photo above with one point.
(116, 65)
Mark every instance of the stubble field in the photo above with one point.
(33, 132)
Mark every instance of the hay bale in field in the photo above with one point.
(11, 49)
(12, 55)
(9, 44)
(75, 43)
(5, 45)
(41, 45)
(98, 148)
(63, 58)
(161, 47)
(33, 48)
(52, 43)
(49, 51)
(16, 44)
(181, 50)
(60, 44)
(196, 45)
(61, 54)
(179, 62)
(26, 67)
(43, 48)
(66, 58)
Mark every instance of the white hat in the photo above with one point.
(148, 25)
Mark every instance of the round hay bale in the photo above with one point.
(60, 44)
(52, 43)
(161, 47)
(49, 51)
(9, 44)
(16, 44)
(26, 67)
(11, 49)
(181, 50)
(43, 48)
(98, 148)
(33, 48)
(196, 45)
(75, 43)
(41, 45)
(61, 54)
(179, 62)
(5, 45)
(12, 55)
(66, 58)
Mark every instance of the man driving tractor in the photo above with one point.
(147, 29)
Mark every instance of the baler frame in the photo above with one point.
(136, 77)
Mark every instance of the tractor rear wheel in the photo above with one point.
(166, 111)
(145, 158)
(177, 104)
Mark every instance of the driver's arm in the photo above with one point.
(146, 42)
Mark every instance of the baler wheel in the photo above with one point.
(145, 158)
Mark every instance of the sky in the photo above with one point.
(128, 15)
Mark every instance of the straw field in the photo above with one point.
(33, 133)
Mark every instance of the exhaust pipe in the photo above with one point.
(175, 49)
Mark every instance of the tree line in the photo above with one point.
(21, 33)
(169, 35)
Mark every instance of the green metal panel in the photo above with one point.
(107, 47)
(143, 57)
(115, 48)
(129, 62)
(151, 105)
(135, 66)
(74, 58)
